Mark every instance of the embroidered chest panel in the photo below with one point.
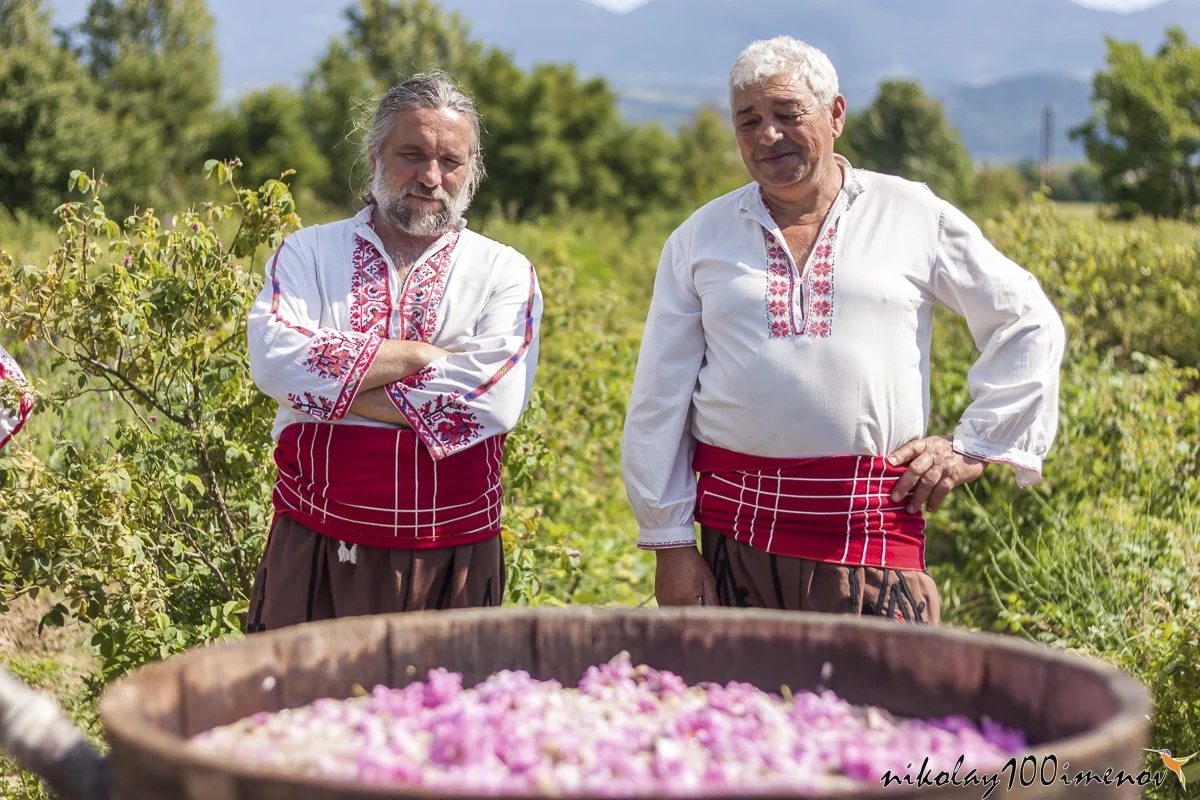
(423, 292)
(783, 286)
(370, 302)
(370, 299)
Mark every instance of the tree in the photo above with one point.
(551, 138)
(48, 117)
(336, 98)
(148, 533)
(997, 189)
(1145, 134)
(267, 132)
(905, 132)
(156, 69)
(708, 158)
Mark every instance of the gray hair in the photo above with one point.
(428, 90)
(786, 57)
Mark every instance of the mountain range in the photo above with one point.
(995, 64)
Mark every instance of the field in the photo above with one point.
(1103, 557)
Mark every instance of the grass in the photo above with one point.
(1081, 211)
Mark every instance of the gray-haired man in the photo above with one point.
(401, 348)
(782, 392)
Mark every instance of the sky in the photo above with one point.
(1116, 5)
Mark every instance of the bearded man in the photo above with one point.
(401, 348)
(781, 397)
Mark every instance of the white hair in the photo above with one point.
(786, 57)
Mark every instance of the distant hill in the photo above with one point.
(995, 63)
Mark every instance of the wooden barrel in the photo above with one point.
(1087, 715)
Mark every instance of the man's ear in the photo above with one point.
(838, 112)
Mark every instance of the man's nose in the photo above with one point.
(768, 134)
(430, 174)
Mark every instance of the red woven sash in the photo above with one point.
(378, 487)
(835, 509)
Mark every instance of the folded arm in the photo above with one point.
(317, 370)
(462, 398)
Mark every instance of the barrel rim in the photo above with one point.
(123, 722)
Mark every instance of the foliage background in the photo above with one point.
(133, 503)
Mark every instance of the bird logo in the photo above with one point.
(1174, 764)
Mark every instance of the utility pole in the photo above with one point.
(1047, 139)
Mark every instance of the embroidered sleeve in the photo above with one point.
(1014, 383)
(481, 391)
(657, 443)
(311, 369)
(16, 400)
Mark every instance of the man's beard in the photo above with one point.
(421, 221)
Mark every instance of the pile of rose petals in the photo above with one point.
(623, 731)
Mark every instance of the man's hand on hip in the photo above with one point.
(934, 468)
(682, 578)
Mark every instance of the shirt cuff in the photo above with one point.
(667, 538)
(1028, 466)
(368, 348)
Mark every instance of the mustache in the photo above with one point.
(417, 189)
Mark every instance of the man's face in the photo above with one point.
(784, 133)
(421, 174)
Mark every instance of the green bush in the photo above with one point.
(1103, 557)
(1100, 558)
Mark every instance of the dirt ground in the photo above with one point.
(22, 646)
(54, 662)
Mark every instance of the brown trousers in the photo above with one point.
(751, 578)
(301, 579)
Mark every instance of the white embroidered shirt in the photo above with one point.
(747, 351)
(331, 297)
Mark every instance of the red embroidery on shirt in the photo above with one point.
(451, 420)
(331, 355)
(316, 405)
(354, 378)
(423, 291)
(419, 380)
(818, 321)
(369, 294)
(781, 288)
(444, 423)
(11, 372)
